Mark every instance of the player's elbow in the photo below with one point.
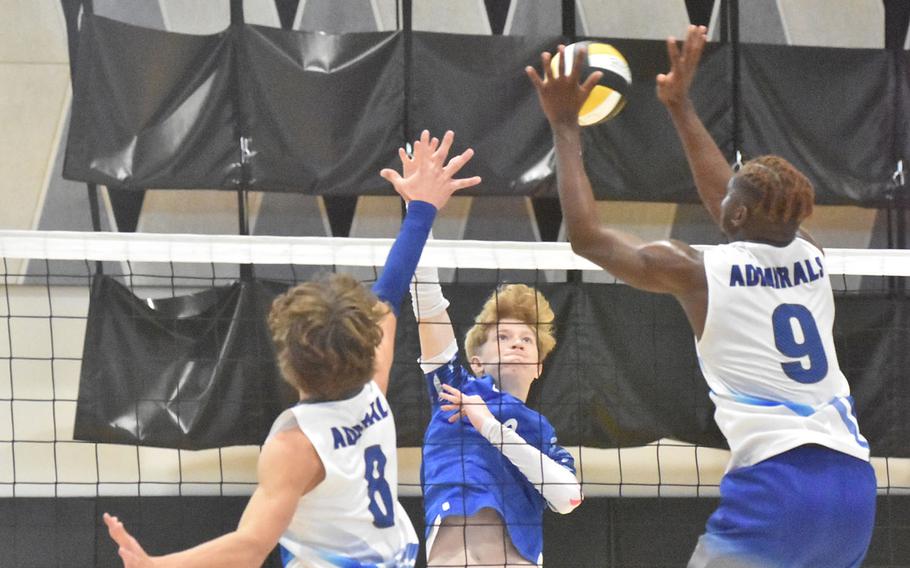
(568, 502)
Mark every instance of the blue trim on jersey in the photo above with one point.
(810, 506)
(407, 558)
(286, 556)
(851, 427)
(801, 409)
(806, 410)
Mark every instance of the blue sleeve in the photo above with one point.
(452, 373)
(405, 254)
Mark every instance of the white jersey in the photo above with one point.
(353, 517)
(767, 352)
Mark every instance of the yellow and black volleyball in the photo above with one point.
(609, 96)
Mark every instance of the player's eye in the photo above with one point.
(503, 337)
(527, 339)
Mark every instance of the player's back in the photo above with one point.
(353, 516)
(767, 352)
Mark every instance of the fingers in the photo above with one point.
(590, 83)
(403, 156)
(421, 146)
(443, 150)
(534, 77)
(580, 54)
(562, 60)
(545, 58)
(673, 52)
(695, 44)
(391, 176)
(458, 162)
(465, 183)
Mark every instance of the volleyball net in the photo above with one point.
(171, 327)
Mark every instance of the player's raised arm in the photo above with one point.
(664, 266)
(427, 184)
(708, 165)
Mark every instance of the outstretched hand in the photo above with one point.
(426, 175)
(561, 95)
(673, 86)
(130, 552)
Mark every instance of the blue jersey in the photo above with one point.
(462, 472)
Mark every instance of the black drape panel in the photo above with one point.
(322, 114)
(637, 156)
(189, 372)
(829, 111)
(477, 87)
(152, 109)
(325, 111)
(198, 371)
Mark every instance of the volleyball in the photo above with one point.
(609, 96)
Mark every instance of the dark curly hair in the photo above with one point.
(326, 332)
(782, 192)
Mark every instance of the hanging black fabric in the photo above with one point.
(152, 109)
(829, 111)
(325, 111)
(190, 372)
(322, 114)
(477, 87)
(637, 156)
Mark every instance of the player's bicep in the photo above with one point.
(661, 266)
(288, 468)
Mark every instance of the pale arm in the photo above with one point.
(288, 468)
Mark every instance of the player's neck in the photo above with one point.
(517, 387)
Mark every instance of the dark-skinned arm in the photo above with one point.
(662, 266)
(709, 167)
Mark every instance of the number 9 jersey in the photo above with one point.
(767, 352)
(352, 518)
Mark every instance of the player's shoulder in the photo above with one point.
(291, 444)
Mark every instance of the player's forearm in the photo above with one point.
(709, 167)
(234, 550)
(575, 194)
(556, 483)
(429, 304)
(405, 253)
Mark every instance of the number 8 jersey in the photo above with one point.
(767, 352)
(352, 518)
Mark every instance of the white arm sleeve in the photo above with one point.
(430, 364)
(426, 293)
(554, 482)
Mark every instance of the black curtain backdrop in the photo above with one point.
(198, 371)
(322, 113)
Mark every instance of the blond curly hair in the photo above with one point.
(519, 302)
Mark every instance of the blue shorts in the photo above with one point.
(808, 507)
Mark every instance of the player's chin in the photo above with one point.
(518, 372)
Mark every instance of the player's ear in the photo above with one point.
(476, 366)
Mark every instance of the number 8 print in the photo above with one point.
(378, 488)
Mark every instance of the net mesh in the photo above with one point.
(47, 278)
